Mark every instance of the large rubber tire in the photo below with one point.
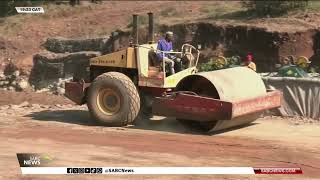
(123, 90)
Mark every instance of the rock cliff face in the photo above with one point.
(62, 59)
(65, 58)
(267, 47)
(13, 79)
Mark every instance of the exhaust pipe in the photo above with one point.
(115, 40)
(135, 29)
(151, 28)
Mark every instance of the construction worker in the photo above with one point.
(165, 44)
(249, 62)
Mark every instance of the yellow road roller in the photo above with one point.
(128, 83)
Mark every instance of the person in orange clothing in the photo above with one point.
(249, 62)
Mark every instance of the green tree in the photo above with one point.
(74, 2)
(4, 7)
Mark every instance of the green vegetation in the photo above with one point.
(220, 9)
(211, 65)
(219, 62)
(313, 6)
(274, 8)
(240, 11)
(248, 9)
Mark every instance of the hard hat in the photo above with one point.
(249, 57)
(169, 33)
(302, 62)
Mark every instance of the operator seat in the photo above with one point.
(154, 69)
(153, 59)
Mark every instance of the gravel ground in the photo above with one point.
(67, 132)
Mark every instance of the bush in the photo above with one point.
(216, 63)
(272, 8)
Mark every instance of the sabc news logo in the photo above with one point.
(34, 159)
(29, 9)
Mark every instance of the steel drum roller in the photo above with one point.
(233, 84)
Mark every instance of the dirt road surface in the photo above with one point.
(67, 133)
